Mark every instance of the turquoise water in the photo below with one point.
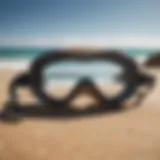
(14, 57)
(21, 57)
(32, 52)
(21, 52)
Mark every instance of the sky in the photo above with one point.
(73, 22)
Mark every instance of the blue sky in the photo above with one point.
(33, 19)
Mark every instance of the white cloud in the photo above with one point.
(73, 41)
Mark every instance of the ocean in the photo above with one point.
(16, 58)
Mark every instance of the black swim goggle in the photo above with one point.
(130, 77)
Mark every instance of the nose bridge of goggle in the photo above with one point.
(86, 86)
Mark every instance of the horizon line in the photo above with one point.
(74, 41)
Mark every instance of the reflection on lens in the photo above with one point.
(60, 78)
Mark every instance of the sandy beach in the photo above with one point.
(132, 134)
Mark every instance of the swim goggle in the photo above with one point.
(110, 77)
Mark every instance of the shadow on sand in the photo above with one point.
(13, 112)
(16, 113)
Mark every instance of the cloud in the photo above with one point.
(75, 41)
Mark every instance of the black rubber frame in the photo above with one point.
(34, 78)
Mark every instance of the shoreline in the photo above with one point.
(14, 63)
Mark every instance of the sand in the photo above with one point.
(132, 134)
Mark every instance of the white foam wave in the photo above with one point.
(19, 64)
(14, 64)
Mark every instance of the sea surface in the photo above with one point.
(16, 58)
